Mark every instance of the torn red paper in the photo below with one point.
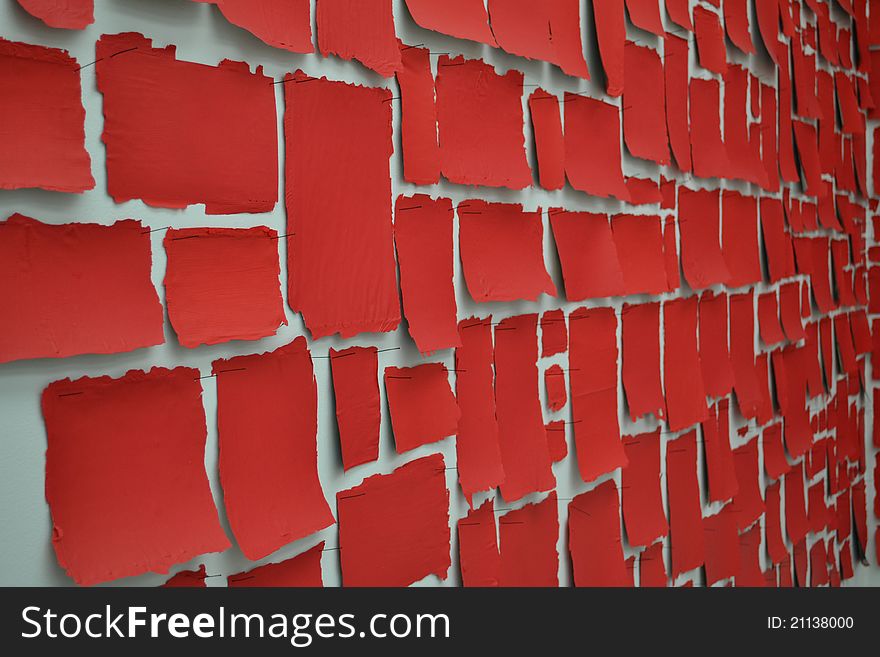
(776, 548)
(710, 40)
(742, 353)
(301, 571)
(701, 257)
(707, 148)
(418, 120)
(394, 528)
(594, 538)
(750, 573)
(714, 355)
(722, 555)
(644, 108)
(463, 19)
(502, 252)
(652, 569)
(549, 140)
(556, 440)
(476, 445)
(147, 504)
(554, 333)
(423, 236)
(43, 120)
(720, 470)
(478, 547)
(480, 123)
(341, 272)
(223, 284)
(592, 147)
(179, 133)
(610, 24)
(422, 406)
(554, 385)
(767, 13)
(768, 319)
(587, 254)
(593, 381)
(736, 20)
(361, 30)
(670, 254)
(679, 12)
(64, 14)
(645, 14)
(528, 538)
(522, 436)
(640, 340)
(685, 394)
(675, 75)
(775, 462)
(795, 505)
(358, 407)
(640, 489)
(76, 289)
(747, 505)
(685, 514)
(790, 312)
(189, 579)
(285, 24)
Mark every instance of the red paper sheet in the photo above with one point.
(643, 511)
(548, 31)
(394, 528)
(777, 242)
(806, 139)
(593, 381)
(741, 137)
(341, 272)
(549, 140)
(714, 355)
(790, 312)
(736, 20)
(679, 12)
(358, 407)
(554, 385)
(787, 166)
(775, 462)
(587, 254)
(43, 120)
(610, 24)
(722, 554)
(640, 340)
(853, 121)
(556, 442)
(502, 252)
(710, 40)
(522, 436)
(767, 13)
(422, 407)
(768, 130)
(776, 548)
(223, 284)
(125, 474)
(795, 505)
(477, 446)
(480, 123)
(817, 511)
(670, 254)
(750, 573)
(742, 353)
(701, 258)
(685, 515)
(720, 470)
(76, 289)
(267, 422)
(707, 148)
(685, 393)
(65, 14)
(361, 30)
(860, 513)
(748, 505)
(644, 191)
(188, 579)
(645, 14)
(418, 124)
(644, 108)
(675, 72)
(528, 538)
(652, 569)
(592, 147)
(554, 333)
(285, 24)
(301, 571)
(179, 133)
(768, 319)
(594, 538)
(478, 547)
(464, 19)
(423, 236)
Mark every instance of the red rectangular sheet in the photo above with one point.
(742, 353)
(644, 106)
(42, 120)
(394, 528)
(549, 140)
(359, 29)
(610, 24)
(710, 40)
(685, 514)
(478, 552)
(463, 19)
(68, 15)
(707, 148)
(301, 571)
(587, 255)
(643, 511)
(699, 222)
(179, 133)
(640, 344)
(554, 386)
(341, 273)
(592, 147)
(554, 333)
(675, 75)
(223, 284)
(358, 407)
(748, 505)
(594, 538)
(638, 240)
(714, 354)
(528, 538)
(76, 289)
(422, 407)
(125, 474)
(720, 469)
(285, 24)
(722, 555)
(776, 549)
(685, 393)
(418, 117)
(652, 569)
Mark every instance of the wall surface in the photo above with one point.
(201, 34)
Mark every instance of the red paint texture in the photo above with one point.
(639, 244)
(418, 123)
(476, 445)
(644, 107)
(285, 24)
(736, 20)
(643, 511)
(699, 222)
(722, 555)
(64, 14)
(593, 381)
(340, 246)
(125, 474)
(394, 528)
(685, 392)
(43, 120)
(748, 505)
(610, 23)
(640, 344)
(547, 31)
(675, 76)
(422, 406)
(522, 436)
(714, 355)
(587, 254)
(478, 547)
(645, 14)
(528, 539)
(267, 408)
(720, 470)
(707, 148)
(423, 236)
(358, 407)
(592, 147)
(549, 140)
(502, 252)
(75, 289)
(223, 284)
(554, 333)
(301, 571)
(463, 19)
(710, 40)
(480, 124)
(594, 538)
(188, 579)
(685, 514)
(179, 133)
(361, 30)
(554, 384)
(652, 569)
